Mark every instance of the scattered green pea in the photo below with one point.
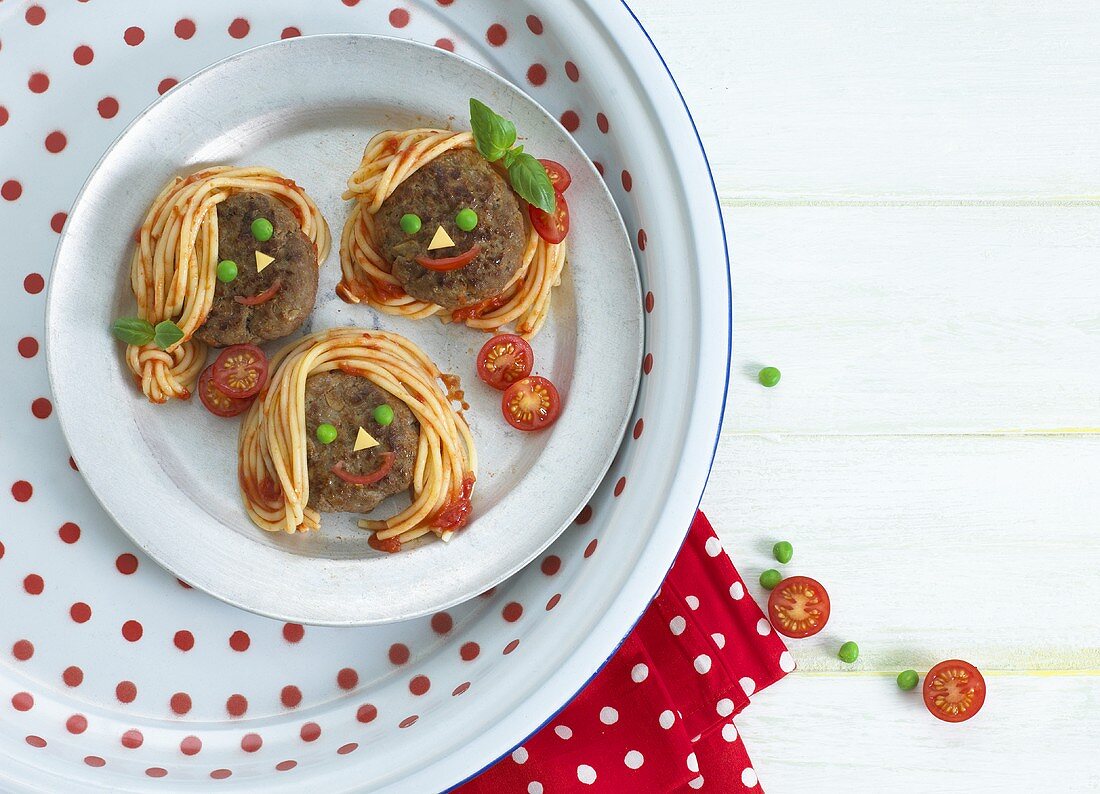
(262, 229)
(466, 219)
(227, 270)
(908, 679)
(848, 652)
(770, 578)
(410, 223)
(783, 551)
(326, 433)
(769, 376)
(383, 415)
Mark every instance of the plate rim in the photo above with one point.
(619, 434)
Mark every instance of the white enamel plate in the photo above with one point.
(167, 473)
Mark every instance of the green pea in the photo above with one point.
(908, 679)
(783, 551)
(410, 223)
(383, 415)
(262, 229)
(466, 219)
(769, 376)
(227, 270)
(848, 652)
(770, 578)
(326, 433)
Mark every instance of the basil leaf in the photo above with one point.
(510, 156)
(133, 330)
(493, 134)
(166, 334)
(531, 181)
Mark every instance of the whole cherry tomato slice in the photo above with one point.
(798, 607)
(559, 175)
(954, 691)
(503, 360)
(240, 371)
(215, 400)
(552, 227)
(531, 404)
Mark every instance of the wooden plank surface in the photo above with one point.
(910, 193)
(858, 98)
(916, 319)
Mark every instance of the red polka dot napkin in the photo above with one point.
(659, 716)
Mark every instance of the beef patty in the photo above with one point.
(232, 323)
(347, 402)
(453, 181)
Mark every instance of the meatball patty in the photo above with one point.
(347, 402)
(295, 267)
(456, 180)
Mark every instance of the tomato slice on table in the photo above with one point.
(559, 175)
(240, 371)
(531, 404)
(954, 691)
(216, 401)
(798, 607)
(503, 360)
(552, 227)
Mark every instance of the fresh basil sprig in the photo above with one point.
(495, 137)
(166, 334)
(136, 331)
(133, 330)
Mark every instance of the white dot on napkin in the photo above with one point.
(564, 731)
(666, 719)
(587, 775)
(724, 707)
(608, 715)
(639, 673)
(729, 732)
(702, 664)
(693, 763)
(737, 590)
(634, 759)
(692, 602)
(748, 685)
(748, 777)
(677, 625)
(763, 627)
(519, 755)
(786, 661)
(713, 547)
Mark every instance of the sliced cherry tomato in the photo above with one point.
(443, 264)
(503, 360)
(531, 404)
(551, 227)
(954, 691)
(798, 607)
(260, 297)
(365, 479)
(559, 175)
(240, 371)
(456, 512)
(215, 400)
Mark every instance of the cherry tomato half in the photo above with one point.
(531, 404)
(954, 691)
(559, 175)
(240, 371)
(798, 607)
(552, 227)
(503, 360)
(215, 401)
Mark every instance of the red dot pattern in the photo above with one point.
(57, 222)
(347, 678)
(290, 33)
(35, 15)
(536, 74)
(469, 651)
(408, 721)
(602, 123)
(76, 724)
(239, 28)
(132, 739)
(166, 85)
(22, 701)
(496, 35)
(11, 190)
(291, 696)
(619, 486)
(180, 703)
(570, 120)
(551, 565)
(55, 142)
(94, 761)
(236, 705)
(590, 549)
(221, 774)
(584, 516)
(510, 647)
(419, 685)
(126, 564)
(293, 632)
(553, 602)
(460, 689)
(350, 747)
(72, 676)
(285, 766)
(80, 612)
(445, 44)
(399, 17)
(239, 641)
(22, 491)
(638, 427)
(38, 83)
(28, 347)
(251, 742)
(512, 612)
(572, 72)
(34, 283)
(132, 630)
(156, 771)
(108, 107)
(442, 622)
(4, 115)
(399, 653)
(191, 745)
(366, 713)
(184, 29)
(184, 640)
(310, 732)
(83, 55)
(33, 584)
(534, 24)
(133, 36)
(36, 741)
(126, 691)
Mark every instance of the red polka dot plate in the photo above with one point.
(116, 676)
(168, 473)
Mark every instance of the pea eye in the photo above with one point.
(410, 223)
(466, 220)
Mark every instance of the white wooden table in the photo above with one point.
(910, 193)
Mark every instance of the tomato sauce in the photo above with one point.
(456, 513)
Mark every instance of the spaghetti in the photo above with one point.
(272, 467)
(174, 269)
(389, 159)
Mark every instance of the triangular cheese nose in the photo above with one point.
(363, 440)
(440, 240)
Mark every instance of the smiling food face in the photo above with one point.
(483, 233)
(267, 276)
(340, 404)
